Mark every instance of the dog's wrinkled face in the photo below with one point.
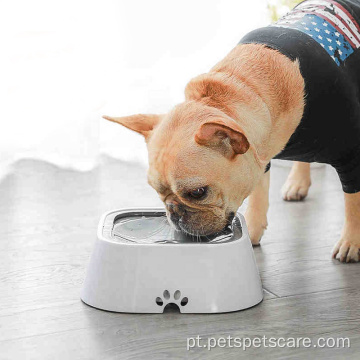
(198, 164)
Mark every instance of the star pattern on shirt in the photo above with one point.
(322, 32)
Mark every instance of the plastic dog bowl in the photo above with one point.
(140, 264)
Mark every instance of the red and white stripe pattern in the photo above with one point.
(330, 11)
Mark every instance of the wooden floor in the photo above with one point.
(48, 220)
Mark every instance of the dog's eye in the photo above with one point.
(198, 193)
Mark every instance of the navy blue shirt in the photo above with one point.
(324, 36)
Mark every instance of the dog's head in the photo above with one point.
(199, 164)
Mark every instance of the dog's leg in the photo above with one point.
(256, 212)
(298, 182)
(347, 248)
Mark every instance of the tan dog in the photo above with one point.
(210, 152)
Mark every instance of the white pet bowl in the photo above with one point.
(140, 264)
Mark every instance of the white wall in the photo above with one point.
(64, 64)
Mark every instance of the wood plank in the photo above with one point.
(78, 331)
(48, 220)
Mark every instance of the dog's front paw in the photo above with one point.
(295, 189)
(257, 225)
(347, 249)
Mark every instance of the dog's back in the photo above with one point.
(324, 36)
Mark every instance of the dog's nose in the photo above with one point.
(231, 217)
(175, 209)
(170, 207)
(175, 218)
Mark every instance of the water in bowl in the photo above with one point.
(155, 229)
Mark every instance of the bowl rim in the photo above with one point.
(107, 220)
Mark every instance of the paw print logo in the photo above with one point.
(176, 297)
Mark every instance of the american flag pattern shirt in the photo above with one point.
(328, 23)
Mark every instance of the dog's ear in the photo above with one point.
(142, 124)
(224, 135)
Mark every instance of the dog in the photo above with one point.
(288, 91)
